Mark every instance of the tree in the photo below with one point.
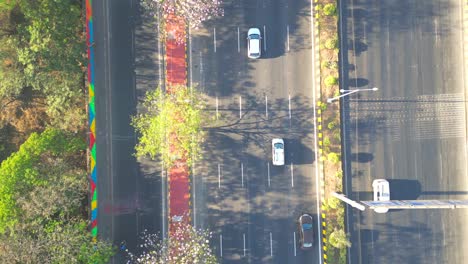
(42, 47)
(30, 167)
(171, 125)
(183, 246)
(57, 242)
(339, 239)
(193, 12)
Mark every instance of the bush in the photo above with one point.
(322, 105)
(337, 135)
(326, 142)
(339, 239)
(339, 174)
(331, 125)
(331, 43)
(331, 80)
(333, 157)
(329, 9)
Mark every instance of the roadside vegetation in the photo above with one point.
(193, 13)
(326, 15)
(185, 245)
(170, 126)
(44, 210)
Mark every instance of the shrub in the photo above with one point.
(326, 142)
(322, 105)
(331, 43)
(339, 239)
(337, 135)
(333, 157)
(331, 80)
(339, 174)
(329, 9)
(331, 125)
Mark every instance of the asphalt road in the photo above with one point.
(412, 131)
(130, 193)
(250, 205)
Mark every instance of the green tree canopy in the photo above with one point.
(171, 125)
(42, 46)
(37, 157)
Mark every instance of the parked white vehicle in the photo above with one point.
(277, 146)
(254, 50)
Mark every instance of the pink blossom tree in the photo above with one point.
(193, 12)
(184, 245)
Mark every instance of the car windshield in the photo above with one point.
(254, 36)
(307, 226)
(278, 146)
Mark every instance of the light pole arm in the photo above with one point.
(329, 100)
(348, 92)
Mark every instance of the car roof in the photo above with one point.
(254, 45)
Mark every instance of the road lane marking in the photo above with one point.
(242, 173)
(240, 107)
(289, 103)
(295, 252)
(287, 30)
(201, 64)
(238, 40)
(440, 166)
(266, 106)
(292, 174)
(268, 169)
(415, 165)
(221, 244)
(214, 39)
(244, 244)
(219, 175)
(264, 33)
(271, 245)
(217, 107)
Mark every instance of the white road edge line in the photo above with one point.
(287, 30)
(317, 189)
(264, 42)
(238, 40)
(271, 245)
(242, 174)
(289, 103)
(217, 107)
(221, 244)
(214, 39)
(268, 170)
(292, 174)
(295, 251)
(240, 107)
(219, 175)
(340, 29)
(244, 244)
(266, 106)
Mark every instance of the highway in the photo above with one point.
(250, 205)
(412, 131)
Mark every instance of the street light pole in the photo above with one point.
(348, 92)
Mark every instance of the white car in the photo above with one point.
(381, 190)
(277, 146)
(254, 50)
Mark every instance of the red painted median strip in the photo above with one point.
(176, 73)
